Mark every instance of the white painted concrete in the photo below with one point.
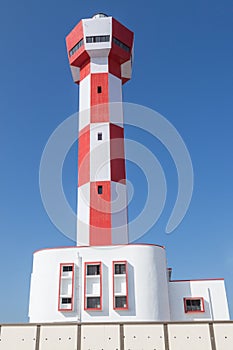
(213, 292)
(100, 152)
(147, 284)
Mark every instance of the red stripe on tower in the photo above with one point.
(100, 213)
(99, 98)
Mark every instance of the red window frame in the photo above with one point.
(194, 311)
(59, 292)
(113, 284)
(85, 285)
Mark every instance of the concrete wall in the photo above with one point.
(214, 299)
(116, 336)
(147, 284)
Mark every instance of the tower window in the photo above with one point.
(121, 44)
(100, 189)
(194, 305)
(99, 89)
(76, 47)
(97, 39)
(99, 136)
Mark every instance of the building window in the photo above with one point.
(120, 285)
(66, 300)
(93, 286)
(93, 270)
(120, 269)
(66, 287)
(121, 44)
(99, 89)
(76, 47)
(99, 136)
(100, 189)
(97, 39)
(194, 305)
(93, 302)
(67, 268)
(120, 302)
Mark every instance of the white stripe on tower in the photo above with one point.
(100, 56)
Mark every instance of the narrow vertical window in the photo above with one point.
(93, 286)
(99, 89)
(66, 287)
(100, 189)
(120, 285)
(99, 136)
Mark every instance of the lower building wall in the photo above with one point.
(118, 336)
(213, 298)
(145, 285)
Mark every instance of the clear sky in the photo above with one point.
(183, 69)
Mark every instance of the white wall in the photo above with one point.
(213, 292)
(147, 281)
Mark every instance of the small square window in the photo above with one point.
(99, 89)
(120, 302)
(93, 302)
(93, 270)
(193, 305)
(99, 136)
(119, 269)
(100, 189)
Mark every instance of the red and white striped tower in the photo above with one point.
(100, 56)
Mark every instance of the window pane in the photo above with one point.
(193, 304)
(66, 300)
(120, 269)
(93, 302)
(100, 189)
(120, 302)
(67, 268)
(93, 270)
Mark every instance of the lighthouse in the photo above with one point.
(104, 277)
(100, 64)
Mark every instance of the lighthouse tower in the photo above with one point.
(104, 278)
(100, 56)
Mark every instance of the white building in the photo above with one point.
(104, 278)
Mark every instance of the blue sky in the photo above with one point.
(182, 69)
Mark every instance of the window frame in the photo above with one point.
(194, 311)
(59, 289)
(85, 285)
(113, 284)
